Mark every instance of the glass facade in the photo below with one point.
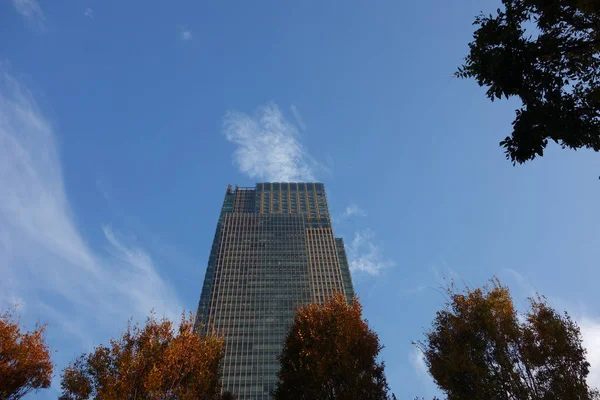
(274, 250)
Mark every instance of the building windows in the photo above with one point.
(270, 254)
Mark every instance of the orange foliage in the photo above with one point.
(25, 363)
(330, 353)
(153, 362)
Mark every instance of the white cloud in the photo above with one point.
(89, 13)
(29, 9)
(44, 259)
(353, 209)
(186, 34)
(268, 146)
(417, 361)
(298, 117)
(590, 331)
(364, 255)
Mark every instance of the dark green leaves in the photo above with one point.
(547, 54)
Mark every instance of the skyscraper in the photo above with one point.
(273, 250)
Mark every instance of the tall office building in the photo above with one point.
(274, 250)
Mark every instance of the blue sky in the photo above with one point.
(122, 122)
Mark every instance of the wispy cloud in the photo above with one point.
(44, 259)
(353, 209)
(101, 187)
(185, 34)
(268, 146)
(89, 13)
(444, 274)
(417, 361)
(365, 256)
(414, 290)
(298, 117)
(524, 285)
(428, 388)
(29, 9)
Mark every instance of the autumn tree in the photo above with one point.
(156, 361)
(479, 347)
(547, 54)
(25, 363)
(330, 353)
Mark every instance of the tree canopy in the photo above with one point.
(25, 363)
(479, 347)
(330, 353)
(546, 52)
(156, 361)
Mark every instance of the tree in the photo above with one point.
(547, 54)
(25, 363)
(479, 347)
(157, 361)
(330, 353)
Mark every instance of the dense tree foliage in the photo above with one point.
(331, 354)
(546, 52)
(479, 347)
(25, 363)
(227, 396)
(157, 361)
